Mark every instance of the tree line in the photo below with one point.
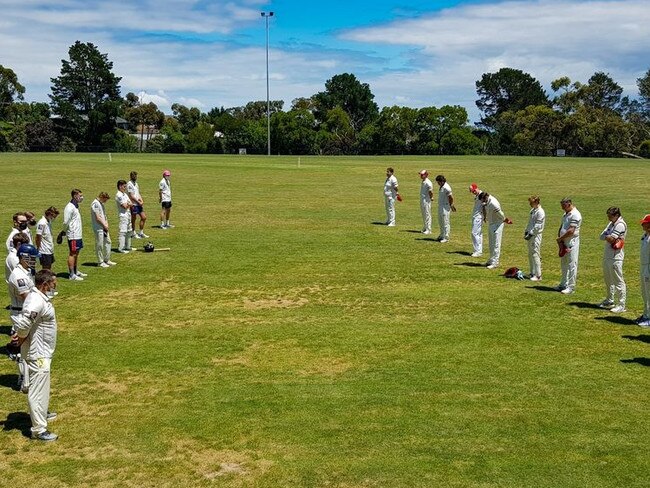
(87, 112)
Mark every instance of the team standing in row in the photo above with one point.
(487, 209)
(33, 319)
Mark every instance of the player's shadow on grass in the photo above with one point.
(90, 264)
(5, 329)
(641, 361)
(427, 239)
(462, 253)
(645, 338)
(615, 319)
(584, 305)
(543, 288)
(63, 275)
(9, 380)
(376, 222)
(411, 231)
(471, 264)
(17, 421)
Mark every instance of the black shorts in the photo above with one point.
(75, 245)
(166, 204)
(47, 260)
(136, 210)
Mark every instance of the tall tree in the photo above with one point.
(354, 97)
(86, 96)
(10, 90)
(142, 117)
(601, 91)
(643, 84)
(508, 89)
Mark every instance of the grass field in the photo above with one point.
(286, 340)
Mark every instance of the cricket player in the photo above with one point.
(165, 199)
(44, 240)
(36, 331)
(73, 230)
(569, 234)
(133, 190)
(20, 224)
(495, 219)
(614, 236)
(445, 207)
(533, 234)
(478, 215)
(12, 258)
(100, 229)
(426, 195)
(125, 229)
(644, 319)
(20, 282)
(391, 193)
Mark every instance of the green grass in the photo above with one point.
(287, 341)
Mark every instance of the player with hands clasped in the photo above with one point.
(125, 230)
(478, 215)
(495, 219)
(100, 228)
(73, 230)
(445, 207)
(391, 193)
(36, 331)
(533, 234)
(568, 240)
(165, 199)
(644, 319)
(426, 195)
(137, 205)
(614, 236)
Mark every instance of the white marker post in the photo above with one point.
(299, 161)
(110, 158)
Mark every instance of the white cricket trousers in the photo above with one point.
(20, 362)
(443, 222)
(569, 265)
(645, 290)
(390, 210)
(477, 233)
(38, 397)
(614, 283)
(495, 232)
(102, 246)
(125, 232)
(534, 255)
(425, 207)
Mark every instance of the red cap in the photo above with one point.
(473, 187)
(424, 172)
(167, 173)
(646, 219)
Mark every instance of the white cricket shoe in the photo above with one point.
(477, 254)
(74, 277)
(606, 304)
(83, 275)
(567, 291)
(103, 265)
(143, 235)
(618, 309)
(111, 263)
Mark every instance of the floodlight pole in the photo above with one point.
(266, 16)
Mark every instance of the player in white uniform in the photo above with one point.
(644, 319)
(478, 215)
(445, 207)
(36, 330)
(426, 195)
(12, 258)
(614, 236)
(533, 234)
(165, 199)
(495, 219)
(391, 193)
(133, 190)
(100, 228)
(73, 230)
(569, 234)
(44, 240)
(125, 230)
(20, 221)
(20, 282)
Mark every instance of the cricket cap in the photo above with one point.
(167, 173)
(646, 219)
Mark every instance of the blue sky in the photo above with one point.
(414, 53)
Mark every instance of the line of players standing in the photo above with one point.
(33, 320)
(487, 209)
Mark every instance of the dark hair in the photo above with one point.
(104, 195)
(390, 170)
(18, 214)
(614, 211)
(52, 211)
(44, 277)
(441, 179)
(120, 183)
(483, 196)
(19, 239)
(75, 192)
(566, 200)
(533, 199)
(133, 174)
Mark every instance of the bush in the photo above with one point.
(644, 149)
